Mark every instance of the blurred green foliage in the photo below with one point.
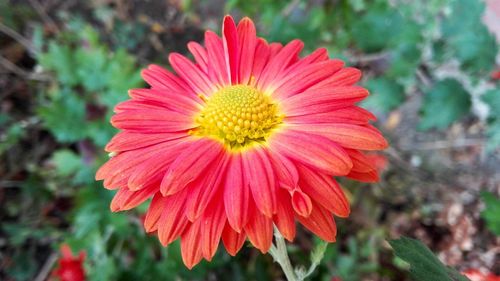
(491, 211)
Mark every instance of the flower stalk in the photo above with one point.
(280, 254)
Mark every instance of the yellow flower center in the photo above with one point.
(239, 116)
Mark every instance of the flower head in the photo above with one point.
(70, 268)
(247, 136)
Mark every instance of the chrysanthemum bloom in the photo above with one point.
(246, 136)
(70, 268)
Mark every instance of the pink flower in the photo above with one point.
(247, 136)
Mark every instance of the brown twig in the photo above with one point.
(46, 268)
(11, 67)
(43, 14)
(364, 59)
(18, 37)
(444, 144)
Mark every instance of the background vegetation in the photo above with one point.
(430, 66)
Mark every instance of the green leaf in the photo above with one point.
(385, 94)
(424, 265)
(64, 116)
(492, 98)
(60, 59)
(467, 37)
(491, 211)
(67, 162)
(443, 104)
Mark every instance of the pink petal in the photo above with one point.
(121, 164)
(175, 101)
(247, 38)
(236, 194)
(160, 78)
(213, 222)
(324, 190)
(125, 141)
(203, 189)
(301, 203)
(345, 77)
(260, 231)
(261, 57)
(200, 55)
(190, 164)
(284, 170)
(233, 241)
(371, 176)
(314, 101)
(284, 217)
(350, 114)
(198, 80)
(321, 223)
(360, 162)
(154, 212)
(231, 48)
(259, 173)
(217, 67)
(191, 250)
(315, 151)
(299, 80)
(172, 222)
(347, 135)
(278, 63)
(125, 199)
(152, 121)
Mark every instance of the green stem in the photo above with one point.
(280, 255)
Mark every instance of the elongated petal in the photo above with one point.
(175, 101)
(278, 63)
(203, 189)
(349, 115)
(233, 241)
(348, 135)
(172, 222)
(315, 151)
(152, 121)
(321, 223)
(125, 141)
(217, 68)
(284, 217)
(190, 164)
(231, 48)
(236, 194)
(301, 79)
(284, 170)
(160, 78)
(200, 55)
(247, 44)
(196, 79)
(314, 101)
(345, 77)
(191, 245)
(154, 212)
(371, 176)
(262, 54)
(260, 231)
(125, 199)
(213, 222)
(324, 190)
(259, 173)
